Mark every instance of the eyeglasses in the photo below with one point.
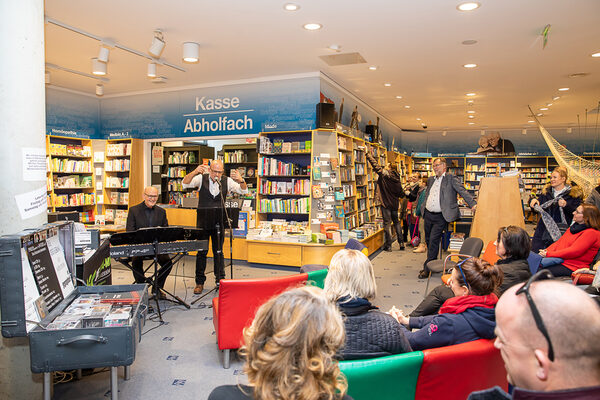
(541, 275)
(216, 172)
(151, 196)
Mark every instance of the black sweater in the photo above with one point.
(390, 185)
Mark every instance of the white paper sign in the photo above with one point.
(32, 203)
(98, 185)
(329, 198)
(321, 215)
(34, 164)
(329, 206)
(98, 156)
(325, 174)
(57, 254)
(156, 169)
(98, 171)
(325, 155)
(315, 221)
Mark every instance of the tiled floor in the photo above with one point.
(180, 360)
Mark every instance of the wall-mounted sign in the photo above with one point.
(158, 155)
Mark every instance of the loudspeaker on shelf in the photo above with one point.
(326, 115)
(371, 133)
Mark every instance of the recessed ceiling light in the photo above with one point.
(373, 67)
(418, 119)
(563, 89)
(291, 7)
(544, 109)
(471, 116)
(312, 26)
(469, 6)
(556, 98)
(470, 101)
(596, 55)
(398, 97)
(335, 47)
(548, 105)
(406, 106)
(470, 94)
(470, 112)
(539, 114)
(469, 42)
(531, 121)
(471, 123)
(387, 84)
(470, 65)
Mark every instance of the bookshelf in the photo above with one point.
(422, 165)
(534, 172)
(456, 167)
(123, 178)
(179, 161)
(70, 176)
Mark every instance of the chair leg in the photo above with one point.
(226, 354)
(427, 286)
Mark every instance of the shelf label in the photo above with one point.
(34, 164)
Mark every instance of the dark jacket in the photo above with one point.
(541, 238)
(495, 393)
(390, 185)
(369, 332)
(137, 218)
(233, 392)
(515, 271)
(448, 329)
(450, 187)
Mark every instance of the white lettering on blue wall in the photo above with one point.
(221, 124)
(224, 103)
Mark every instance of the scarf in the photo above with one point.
(576, 228)
(551, 226)
(456, 305)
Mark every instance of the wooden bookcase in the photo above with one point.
(242, 157)
(123, 178)
(70, 176)
(179, 161)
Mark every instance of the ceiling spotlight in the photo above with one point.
(556, 98)
(158, 44)
(291, 7)
(470, 94)
(418, 119)
(471, 116)
(387, 84)
(98, 67)
(524, 132)
(469, 6)
(103, 54)
(406, 106)
(563, 89)
(151, 70)
(47, 77)
(191, 52)
(470, 112)
(544, 109)
(539, 114)
(373, 67)
(99, 89)
(470, 65)
(312, 26)
(335, 47)
(596, 55)
(531, 121)
(470, 102)
(398, 97)
(548, 105)
(471, 123)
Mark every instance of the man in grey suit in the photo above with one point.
(440, 207)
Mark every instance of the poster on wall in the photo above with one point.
(158, 155)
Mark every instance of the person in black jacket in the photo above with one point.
(390, 189)
(290, 350)
(512, 246)
(370, 333)
(146, 215)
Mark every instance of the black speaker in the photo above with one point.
(371, 133)
(326, 115)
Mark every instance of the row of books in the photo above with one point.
(350, 222)
(456, 240)
(186, 157)
(117, 182)
(176, 198)
(247, 172)
(118, 149)
(86, 216)
(344, 143)
(237, 156)
(359, 156)
(75, 150)
(72, 182)
(345, 159)
(271, 166)
(117, 217)
(266, 146)
(295, 186)
(301, 206)
(347, 174)
(175, 185)
(75, 199)
(121, 198)
(348, 190)
(176, 172)
(66, 165)
(117, 164)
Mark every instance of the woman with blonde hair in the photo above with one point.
(350, 283)
(290, 350)
(555, 204)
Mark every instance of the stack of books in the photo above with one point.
(456, 240)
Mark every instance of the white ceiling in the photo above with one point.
(415, 44)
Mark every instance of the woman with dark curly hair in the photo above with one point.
(290, 350)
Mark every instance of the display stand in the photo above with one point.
(499, 204)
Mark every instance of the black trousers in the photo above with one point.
(432, 303)
(389, 217)
(137, 265)
(435, 225)
(218, 258)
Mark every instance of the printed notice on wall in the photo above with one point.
(32, 203)
(34, 164)
(158, 155)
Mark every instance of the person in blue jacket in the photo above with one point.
(468, 316)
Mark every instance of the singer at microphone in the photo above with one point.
(213, 188)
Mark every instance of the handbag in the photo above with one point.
(416, 240)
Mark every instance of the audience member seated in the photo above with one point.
(554, 354)
(290, 350)
(370, 333)
(467, 316)
(512, 246)
(578, 246)
(555, 197)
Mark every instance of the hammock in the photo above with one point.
(583, 172)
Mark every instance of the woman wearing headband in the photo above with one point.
(467, 316)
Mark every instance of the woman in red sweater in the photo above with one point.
(579, 244)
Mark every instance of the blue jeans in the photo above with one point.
(550, 261)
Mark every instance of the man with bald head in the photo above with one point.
(213, 188)
(146, 215)
(564, 366)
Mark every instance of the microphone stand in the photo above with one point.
(230, 234)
